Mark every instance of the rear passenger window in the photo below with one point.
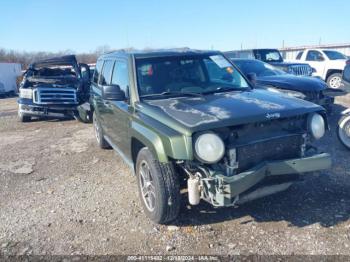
(97, 71)
(106, 75)
(120, 76)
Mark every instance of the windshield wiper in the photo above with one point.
(224, 89)
(170, 93)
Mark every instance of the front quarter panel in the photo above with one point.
(162, 141)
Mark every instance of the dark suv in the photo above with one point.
(273, 57)
(187, 119)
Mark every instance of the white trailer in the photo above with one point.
(8, 75)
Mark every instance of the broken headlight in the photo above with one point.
(316, 125)
(209, 148)
(26, 93)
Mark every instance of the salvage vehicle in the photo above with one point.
(188, 119)
(344, 122)
(328, 64)
(275, 80)
(273, 57)
(55, 87)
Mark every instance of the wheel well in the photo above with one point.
(333, 71)
(136, 146)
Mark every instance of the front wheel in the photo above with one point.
(344, 131)
(159, 188)
(334, 80)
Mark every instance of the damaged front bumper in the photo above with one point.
(221, 190)
(27, 107)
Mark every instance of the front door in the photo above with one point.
(317, 61)
(118, 119)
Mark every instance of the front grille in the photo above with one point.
(300, 70)
(278, 148)
(44, 96)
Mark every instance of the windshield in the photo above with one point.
(187, 74)
(334, 55)
(268, 55)
(261, 69)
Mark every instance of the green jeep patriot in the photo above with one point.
(187, 120)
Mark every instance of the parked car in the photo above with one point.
(275, 80)
(189, 119)
(328, 64)
(54, 87)
(273, 57)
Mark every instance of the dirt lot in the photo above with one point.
(60, 194)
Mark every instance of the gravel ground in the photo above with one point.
(60, 194)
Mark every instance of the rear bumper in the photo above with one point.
(223, 189)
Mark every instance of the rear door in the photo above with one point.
(102, 77)
(95, 89)
(118, 117)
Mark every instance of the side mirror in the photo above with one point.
(113, 92)
(85, 72)
(252, 78)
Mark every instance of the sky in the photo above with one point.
(82, 26)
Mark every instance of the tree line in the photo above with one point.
(25, 58)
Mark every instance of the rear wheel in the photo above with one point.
(334, 80)
(101, 141)
(344, 131)
(159, 188)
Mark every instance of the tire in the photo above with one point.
(81, 117)
(23, 118)
(334, 80)
(101, 141)
(163, 188)
(343, 130)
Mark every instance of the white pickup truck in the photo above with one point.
(328, 64)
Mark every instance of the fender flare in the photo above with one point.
(151, 140)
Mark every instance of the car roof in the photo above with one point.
(157, 53)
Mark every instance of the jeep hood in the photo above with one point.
(224, 109)
(291, 82)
